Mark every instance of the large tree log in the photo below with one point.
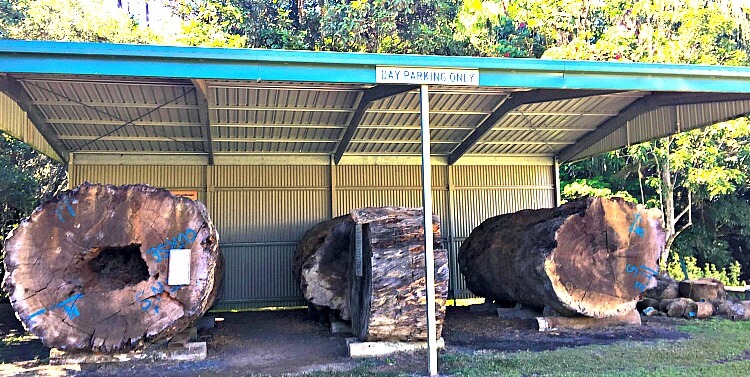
(387, 279)
(321, 264)
(593, 257)
(88, 269)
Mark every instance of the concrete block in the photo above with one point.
(372, 349)
(190, 351)
(338, 327)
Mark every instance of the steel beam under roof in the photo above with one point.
(644, 105)
(369, 95)
(201, 88)
(511, 103)
(15, 90)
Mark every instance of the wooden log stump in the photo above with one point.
(593, 257)
(387, 279)
(739, 311)
(321, 265)
(706, 289)
(88, 269)
(703, 310)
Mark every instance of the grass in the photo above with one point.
(715, 348)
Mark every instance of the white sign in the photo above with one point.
(179, 267)
(435, 76)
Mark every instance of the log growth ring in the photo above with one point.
(620, 267)
(88, 269)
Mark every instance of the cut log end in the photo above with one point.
(88, 270)
(605, 258)
(594, 257)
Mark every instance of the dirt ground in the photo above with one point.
(289, 342)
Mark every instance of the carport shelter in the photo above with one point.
(276, 141)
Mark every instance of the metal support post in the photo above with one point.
(428, 235)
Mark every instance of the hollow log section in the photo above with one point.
(321, 264)
(388, 301)
(592, 257)
(88, 269)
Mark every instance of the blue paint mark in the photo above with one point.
(69, 304)
(38, 312)
(632, 269)
(184, 239)
(65, 204)
(636, 228)
(653, 272)
(644, 271)
(151, 302)
(638, 285)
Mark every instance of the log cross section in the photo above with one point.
(88, 269)
(593, 257)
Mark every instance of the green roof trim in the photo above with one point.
(76, 58)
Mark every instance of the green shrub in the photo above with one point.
(729, 277)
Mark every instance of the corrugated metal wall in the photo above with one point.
(13, 121)
(480, 192)
(262, 211)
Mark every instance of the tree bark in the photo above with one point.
(88, 270)
(321, 265)
(593, 257)
(388, 294)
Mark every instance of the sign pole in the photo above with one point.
(424, 109)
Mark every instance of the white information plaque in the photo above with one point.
(179, 267)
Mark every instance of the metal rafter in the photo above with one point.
(114, 116)
(368, 97)
(13, 89)
(511, 103)
(641, 106)
(201, 88)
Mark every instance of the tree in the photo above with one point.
(70, 20)
(27, 178)
(696, 166)
(395, 26)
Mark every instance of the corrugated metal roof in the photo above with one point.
(132, 115)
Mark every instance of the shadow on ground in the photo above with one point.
(288, 342)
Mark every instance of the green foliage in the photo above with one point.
(393, 26)
(27, 177)
(729, 276)
(581, 188)
(666, 31)
(721, 232)
(70, 20)
(493, 32)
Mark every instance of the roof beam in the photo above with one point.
(641, 106)
(117, 105)
(131, 138)
(13, 89)
(511, 103)
(201, 88)
(368, 97)
(97, 122)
